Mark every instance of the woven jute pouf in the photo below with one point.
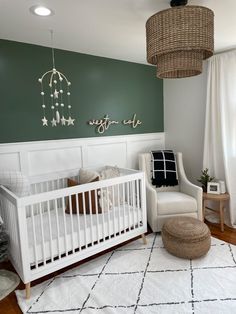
(186, 237)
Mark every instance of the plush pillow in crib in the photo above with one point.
(87, 208)
(86, 176)
(16, 182)
(110, 172)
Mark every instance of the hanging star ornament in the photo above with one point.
(70, 121)
(45, 121)
(54, 122)
(63, 120)
(55, 94)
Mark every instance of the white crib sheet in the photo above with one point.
(91, 228)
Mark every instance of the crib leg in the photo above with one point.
(144, 238)
(27, 290)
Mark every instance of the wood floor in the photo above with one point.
(9, 304)
(229, 234)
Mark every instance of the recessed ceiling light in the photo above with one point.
(41, 11)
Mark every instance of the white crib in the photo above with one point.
(43, 238)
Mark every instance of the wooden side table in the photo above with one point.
(221, 198)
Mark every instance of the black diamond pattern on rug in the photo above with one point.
(142, 279)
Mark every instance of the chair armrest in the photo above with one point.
(189, 188)
(195, 191)
(151, 196)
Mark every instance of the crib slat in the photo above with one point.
(33, 188)
(58, 231)
(34, 237)
(85, 220)
(133, 204)
(119, 223)
(137, 205)
(78, 221)
(141, 201)
(42, 233)
(91, 218)
(47, 186)
(71, 222)
(50, 229)
(41, 187)
(64, 224)
(123, 200)
(108, 213)
(62, 182)
(97, 221)
(36, 188)
(103, 220)
(128, 203)
(113, 210)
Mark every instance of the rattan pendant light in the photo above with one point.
(179, 39)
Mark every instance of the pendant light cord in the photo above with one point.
(53, 57)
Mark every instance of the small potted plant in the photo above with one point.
(205, 178)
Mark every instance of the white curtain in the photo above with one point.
(220, 125)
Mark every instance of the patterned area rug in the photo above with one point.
(139, 278)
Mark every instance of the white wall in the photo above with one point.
(184, 120)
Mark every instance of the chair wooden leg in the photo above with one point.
(144, 238)
(221, 217)
(27, 290)
(203, 210)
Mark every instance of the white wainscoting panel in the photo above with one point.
(10, 161)
(41, 157)
(54, 160)
(107, 154)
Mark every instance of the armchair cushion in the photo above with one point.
(169, 203)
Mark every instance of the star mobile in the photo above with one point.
(55, 90)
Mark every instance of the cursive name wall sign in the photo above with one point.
(134, 122)
(103, 124)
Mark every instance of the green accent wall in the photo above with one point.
(99, 86)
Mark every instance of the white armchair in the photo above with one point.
(184, 199)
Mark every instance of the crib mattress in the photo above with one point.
(51, 235)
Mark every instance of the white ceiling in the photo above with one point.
(109, 28)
